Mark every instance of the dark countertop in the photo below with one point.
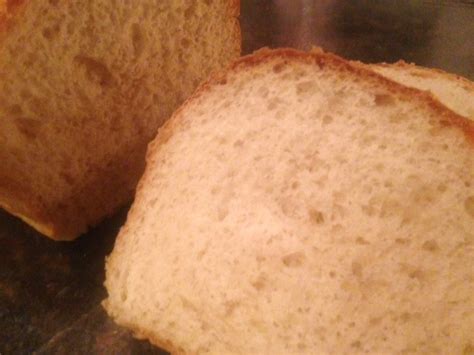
(50, 292)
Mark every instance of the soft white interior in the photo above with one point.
(302, 210)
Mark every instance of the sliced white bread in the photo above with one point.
(84, 87)
(454, 91)
(298, 203)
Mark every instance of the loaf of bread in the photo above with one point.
(299, 203)
(452, 90)
(84, 87)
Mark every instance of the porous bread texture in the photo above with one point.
(301, 204)
(84, 87)
(454, 91)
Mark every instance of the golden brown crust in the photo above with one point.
(316, 57)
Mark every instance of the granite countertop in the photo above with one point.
(50, 292)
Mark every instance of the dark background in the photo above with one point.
(50, 292)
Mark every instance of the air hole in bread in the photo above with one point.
(30, 128)
(51, 32)
(165, 54)
(153, 202)
(304, 87)
(375, 321)
(39, 106)
(316, 217)
(368, 209)
(412, 271)
(67, 177)
(468, 349)
(260, 282)
(25, 94)
(301, 346)
(356, 344)
(190, 10)
(202, 253)
(327, 119)
(222, 213)
(295, 259)
(279, 67)
(405, 317)
(361, 241)
(384, 100)
(15, 110)
(299, 73)
(124, 295)
(95, 70)
(225, 104)
(273, 103)
(469, 206)
(230, 307)
(19, 156)
(424, 195)
(396, 118)
(263, 91)
(337, 228)
(402, 241)
(430, 245)
(185, 43)
(138, 39)
(367, 140)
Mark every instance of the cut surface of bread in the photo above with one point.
(84, 87)
(301, 204)
(454, 91)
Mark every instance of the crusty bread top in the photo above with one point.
(454, 91)
(298, 203)
(85, 85)
(319, 56)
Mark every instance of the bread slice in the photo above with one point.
(452, 90)
(84, 87)
(302, 204)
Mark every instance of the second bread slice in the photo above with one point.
(454, 91)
